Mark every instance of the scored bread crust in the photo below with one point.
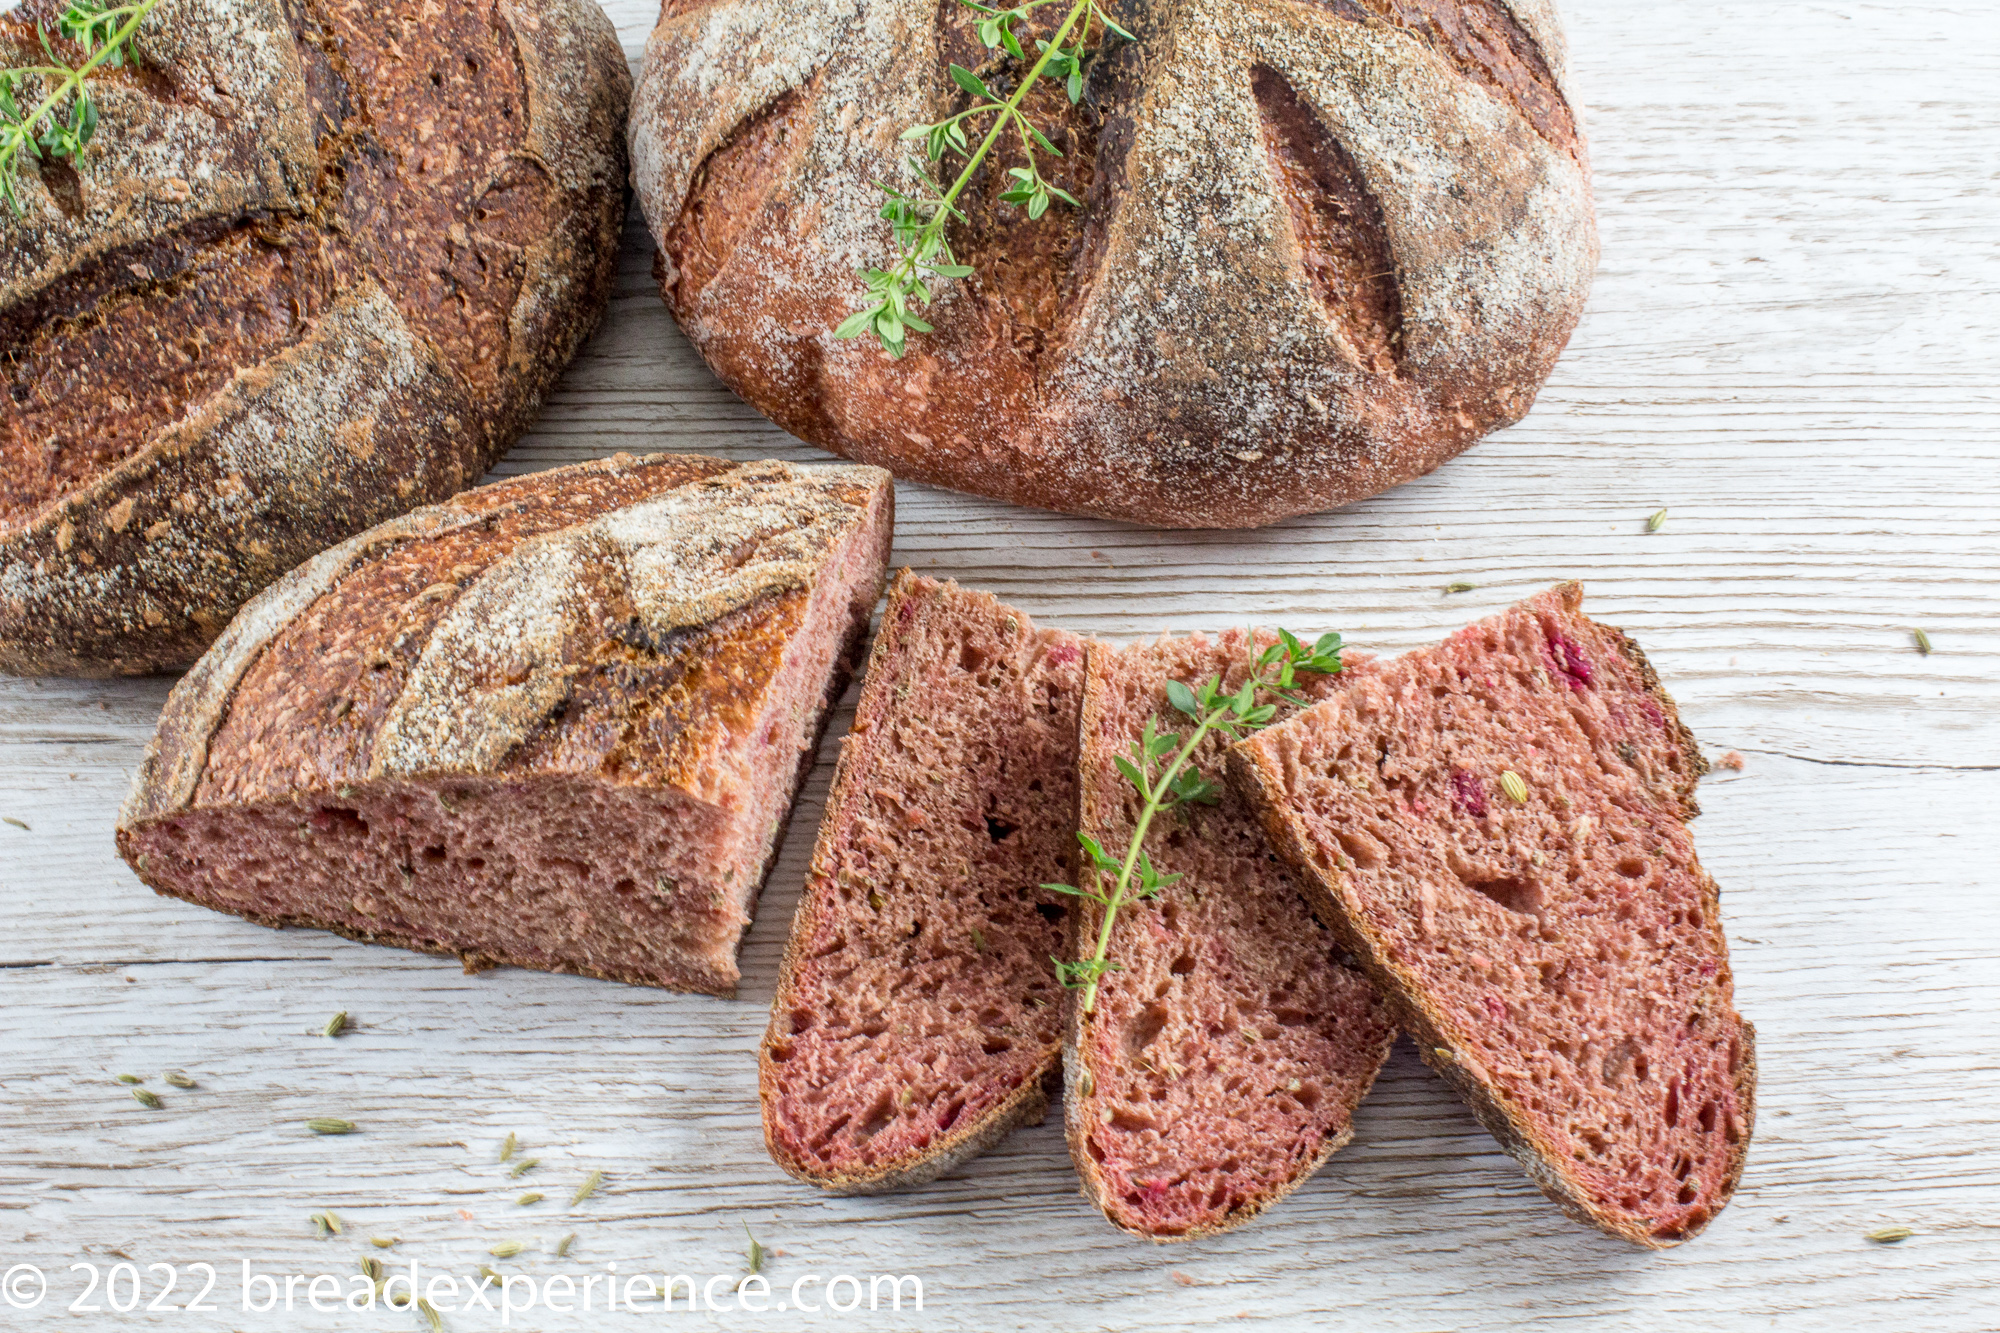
(1368, 1042)
(884, 687)
(1323, 245)
(1254, 770)
(482, 659)
(280, 128)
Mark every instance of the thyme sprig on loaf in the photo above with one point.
(64, 121)
(920, 219)
(1161, 769)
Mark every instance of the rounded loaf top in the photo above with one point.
(318, 264)
(1322, 245)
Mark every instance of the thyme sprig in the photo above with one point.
(1161, 769)
(919, 219)
(65, 120)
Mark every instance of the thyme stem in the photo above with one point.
(1009, 110)
(82, 21)
(1234, 714)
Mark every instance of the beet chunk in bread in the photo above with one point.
(555, 722)
(1225, 1056)
(918, 1015)
(1549, 936)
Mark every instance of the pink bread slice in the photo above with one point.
(1555, 949)
(1225, 1056)
(918, 1015)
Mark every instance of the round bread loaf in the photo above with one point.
(1323, 245)
(319, 266)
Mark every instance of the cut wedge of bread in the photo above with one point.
(1497, 828)
(1225, 1056)
(918, 1015)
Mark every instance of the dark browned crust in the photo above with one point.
(1075, 372)
(1328, 892)
(458, 307)
(1026, 1105)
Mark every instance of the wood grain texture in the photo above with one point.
(1791, 346)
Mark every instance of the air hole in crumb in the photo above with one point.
(1520, 896)
(996, 1045)
(879, 1116)
(999, 830)
(1050, 912)
(1144, 1027)
(1361, 849)
(1673, 1104)
(1182, 965)
(1707, 1118)
(1632, 867)
(973, 658)
(1131, 1122)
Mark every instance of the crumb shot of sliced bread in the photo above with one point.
(918, 1015)
(1497, 826)
(1225, 1056)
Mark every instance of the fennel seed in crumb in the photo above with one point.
(149, 1100)
(328, 1124)
(507, 1148)
(176, 1079)
(587, 1188)
(1515, 787)
(506, 1249)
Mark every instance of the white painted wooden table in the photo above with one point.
(1793, 345)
